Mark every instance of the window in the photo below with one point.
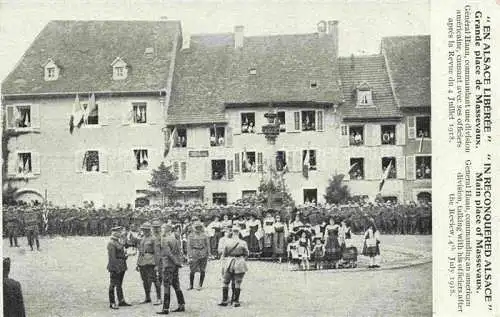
(312, 159)
(386, 162)
(91, 161)
(308, 120)
(139, 112)
(344, 130)
(218, 169)
(356, 135)
(22, 116)
(51, 72)
(423, 167)
(24, 163)
(252, 71)
(219, 198)
(313, 84)
(91, 116)
(248, 194)
(248, 162)
(141, 159)
(217, 136)
(388, 134)
(356, 170)
(248, 122)
(280, 161)
(423, 127)
(282, 121)
(364, 98)
(310, 196)
(181, 138)
(119, 71)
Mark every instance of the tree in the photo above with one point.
(163, 181)
(336, 192)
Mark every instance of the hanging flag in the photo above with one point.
(385, 176)
(351, 167)
(72, 119)
(305, 165)
(421, 143)
(170, 142)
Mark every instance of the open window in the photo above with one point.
(388, 134)
(423, 169)
(51, 70)
(245, 194)
(248, 122)
(141, 159)
(389, 162)
(364, 95)
(22, 116)
(248, 164)
(120, 70)
(219, 198)
(91, 114)
(218, 169)
(91, 161)
(357, 168)
(24, 163)
(311, 196)
(139, 112)
(312, 159)
(356, 136)
(180, 140)
(217, 136)
(308, 120)
(282, 121)
(423, 126)
(280, 161)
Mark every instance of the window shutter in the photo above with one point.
(13, 163)
(375, 134)
(191, 139)
(153, 117)
(344, 135)
(318, 159)
(410, 167)
(290, 161)
(229, 137)
(102, 114)
(237, 162)
(296, 121)
(236, 120)
(400, 134)
(400, 167)
(372, 167)
(412, 127)
(35, 116)
(103, 161)
(289, 121)
(176, 169)
(183, 170)
(10, 117)
(79, 161)
(35, 163)
(260, 163)
(208, 170)
(230, 169)
(130, 160)
(320, 120)
(298, 160)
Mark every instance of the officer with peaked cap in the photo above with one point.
(146, 260)
(156, 228)
(198, 250)
(117, 265)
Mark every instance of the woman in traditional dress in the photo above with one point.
(279, 238)
(296, 224)
(268, 227)
(333, 252)
(255, 235)
(371, 246)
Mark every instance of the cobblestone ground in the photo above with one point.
(68, 278)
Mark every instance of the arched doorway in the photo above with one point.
(29, 196)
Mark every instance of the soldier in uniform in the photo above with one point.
(12, 222)
(198, 250)
(156, 227)
(146, 261)
(117, 266)
(171, 260)
(234, 268)
(31, 226)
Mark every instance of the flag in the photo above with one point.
(385, 176)
(351, 167)
(305, 165)
(246, 162)
(170, 142)
(72, 119)
(421, 143)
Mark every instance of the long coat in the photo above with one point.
(198, 245)
(117, 261)
(171, 252)
(13, 304)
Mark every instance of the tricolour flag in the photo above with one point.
(170, 142)
(305, 165)
(385, 176)
(76, 116)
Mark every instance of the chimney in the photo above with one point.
(333, 31)
(321, 28)
(238, 36)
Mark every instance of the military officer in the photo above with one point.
(198, 250)
(146, 260)
(31, 226)
(117, 265)
(171, 261)
(156, 227)
(12, 222)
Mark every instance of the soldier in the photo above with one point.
(198, 250)
(117, 266)
(13, 225)
(234, 268)
(13, 303)
(156, 227)
(171, 261)
(146, 261)
(31, 225)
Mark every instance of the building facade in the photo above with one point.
(337, 115)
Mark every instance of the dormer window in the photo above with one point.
(252, 71)
(364, 96)
(51, 70)
(313, 84)
(119, 69)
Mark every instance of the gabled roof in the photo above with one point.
(285, 66)
(84, 51)
(366, 71)
(409, 63)
(199, 78)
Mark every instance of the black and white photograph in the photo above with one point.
(212, 158)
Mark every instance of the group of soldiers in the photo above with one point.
(161, 252)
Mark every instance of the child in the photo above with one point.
(304, 250)
(371, 245)
(318, 253)
(292, 250)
